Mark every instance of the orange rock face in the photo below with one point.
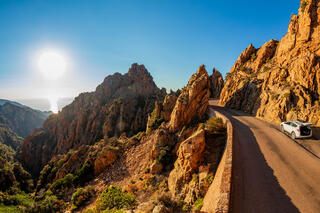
(217, 84)
(190, 155)
(105, 159)
(192, 102)
(281, 80)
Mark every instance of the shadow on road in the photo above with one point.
(254, 186)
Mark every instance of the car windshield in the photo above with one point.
(293, 124)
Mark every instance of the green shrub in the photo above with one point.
(243, 68)
(91, 211)
(63, 182)
(303, 5)
(215, 125)
(266, 68)
(112, 211)
(19, 198)
(60, 162)
(268, 60)
(114, 197)
(49, 204)
(83, 175)
(253, 56)
(198, 204)
(82, 195)
(209, 179)
(186, 207)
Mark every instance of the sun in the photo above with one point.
(52, 64)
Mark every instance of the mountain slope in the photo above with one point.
(281, 80)
(9, 138)
(120, 105)
(19, 118)
(156, 166)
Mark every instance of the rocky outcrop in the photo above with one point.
(20, 119)
(119, 105)
(192, 103)
(281, 80)
(217, 84)
(106, 158)
(189, 157)
(168, 105)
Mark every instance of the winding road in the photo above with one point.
(271, 173)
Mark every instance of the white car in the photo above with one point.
(297, 129)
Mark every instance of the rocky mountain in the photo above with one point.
(4, 101)
(281, 80)
(19, 118)
(118, 106)
(217, 84)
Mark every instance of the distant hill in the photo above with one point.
(19, 118)
(4, 101)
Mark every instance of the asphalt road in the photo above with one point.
(271, 173)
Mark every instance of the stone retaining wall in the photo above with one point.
(217, 199)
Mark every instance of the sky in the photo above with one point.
(97, 38)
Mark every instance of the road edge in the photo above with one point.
(217, 199)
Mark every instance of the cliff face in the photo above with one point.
(281, 80)
(119, 105)
(192, 104)
(20, 119)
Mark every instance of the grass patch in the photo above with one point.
(216, 126)
(253, 56)
(198, 204)
(303, 5)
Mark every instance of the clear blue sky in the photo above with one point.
(172, 38)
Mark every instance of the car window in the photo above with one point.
(293, 124)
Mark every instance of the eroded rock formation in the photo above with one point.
(189, 157)
(217, 84)
(281, 80)
(192, 102)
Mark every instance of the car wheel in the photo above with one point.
(293, 135)
(282, 129)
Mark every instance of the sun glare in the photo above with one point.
(54, 104)
(52, 64)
